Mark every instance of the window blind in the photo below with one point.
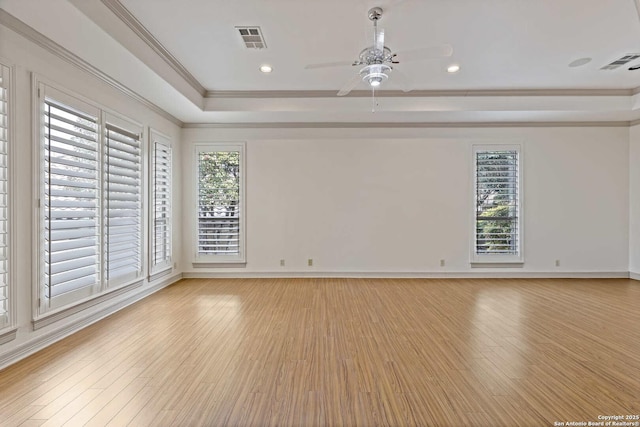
(219, 203)
(161, 233)
(123, 195)
(71, 200)
(4, 142)
(497, 202)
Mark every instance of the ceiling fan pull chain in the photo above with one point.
(373, 99)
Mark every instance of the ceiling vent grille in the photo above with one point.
(622, 61)
(252, 37)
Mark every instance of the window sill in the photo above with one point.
(8, 335)
(225, 264)
(55, 315)
(160, 273)
(497, 264)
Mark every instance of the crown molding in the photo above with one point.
(136, 26)
(11, 22)
(408, 125)
(417, 93)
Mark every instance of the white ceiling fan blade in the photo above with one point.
(424, 53)
(328, 65)
(380, 40)
(350, 85)
(400, 80)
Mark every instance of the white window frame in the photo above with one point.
(46, 311)
(156, 137)
(8, 328)
(239, 260)
(498, 260)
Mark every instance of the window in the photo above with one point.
(5, 292)
(91, 200)
(160, 203)
(497, 219)
(220, 203)
(123, 202)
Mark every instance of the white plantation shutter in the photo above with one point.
(71, 201)
(4, 142)
(497, 216)
(220, 184)
(90, 202)
(161, 205)
(123, 204)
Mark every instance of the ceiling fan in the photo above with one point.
(377, 61)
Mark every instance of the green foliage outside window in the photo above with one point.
(497, 202)
(219, 203)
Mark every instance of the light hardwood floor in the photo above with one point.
(343, 352)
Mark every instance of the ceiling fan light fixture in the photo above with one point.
(374, 75)
(375, 79)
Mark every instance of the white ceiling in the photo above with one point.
(500, 44)
(514, 56)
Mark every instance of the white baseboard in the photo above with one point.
(413, 275)
(634, 276)
(28, 348)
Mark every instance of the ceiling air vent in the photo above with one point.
(622, 61)
(252, 37)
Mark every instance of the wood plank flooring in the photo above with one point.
(343, 352)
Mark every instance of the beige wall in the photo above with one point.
(399, 200)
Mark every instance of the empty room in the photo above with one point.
(320, 213)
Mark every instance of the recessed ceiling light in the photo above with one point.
(453, 68)
(266, 68)
(579, 62)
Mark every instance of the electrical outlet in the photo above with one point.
(310, 262)
(557, 263)
(281, 263)
(442, 263)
